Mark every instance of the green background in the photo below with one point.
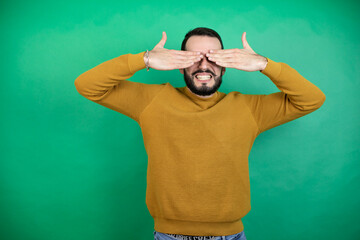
(72, 169)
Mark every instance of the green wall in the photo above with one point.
(72, 169)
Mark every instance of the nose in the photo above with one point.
(204, 63)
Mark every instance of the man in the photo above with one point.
(198, 139)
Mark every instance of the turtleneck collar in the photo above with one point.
(203, 103)
(195, 97)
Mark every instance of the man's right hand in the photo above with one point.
(161, 58)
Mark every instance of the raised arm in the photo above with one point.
(107, 85)
(297, 98)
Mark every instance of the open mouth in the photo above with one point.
(203, 77)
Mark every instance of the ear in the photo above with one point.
(182, 71)
(223, 71)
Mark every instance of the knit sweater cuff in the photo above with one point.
(272, 69)
(136, 62)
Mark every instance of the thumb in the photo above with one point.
(245, 43)
(162, 42)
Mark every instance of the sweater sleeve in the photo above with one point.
(297, 98)
(107, 85)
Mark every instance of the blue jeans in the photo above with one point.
(165, 236)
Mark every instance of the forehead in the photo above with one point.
(202, 43)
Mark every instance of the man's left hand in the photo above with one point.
(243, 59)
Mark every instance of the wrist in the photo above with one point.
(146, 59)
(263, 63)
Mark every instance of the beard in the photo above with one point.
(204, 90)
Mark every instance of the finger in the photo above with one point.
(185, 64)
(224, 59)
(227, 64)
(245, 43)
(189, 58)
(213, 55)
(223, 50)
(162, 42)
(186, 53)
(234, 56)
(226, 55)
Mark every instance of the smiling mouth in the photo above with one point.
(203, 77)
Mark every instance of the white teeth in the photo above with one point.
(203, 77)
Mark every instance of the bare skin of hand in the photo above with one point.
(243, 59)
(161, 58)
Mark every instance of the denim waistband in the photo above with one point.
(188, 237)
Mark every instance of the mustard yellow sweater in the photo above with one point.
(197, 173)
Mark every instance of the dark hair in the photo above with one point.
(201, 31)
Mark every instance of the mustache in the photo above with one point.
(206, 71)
